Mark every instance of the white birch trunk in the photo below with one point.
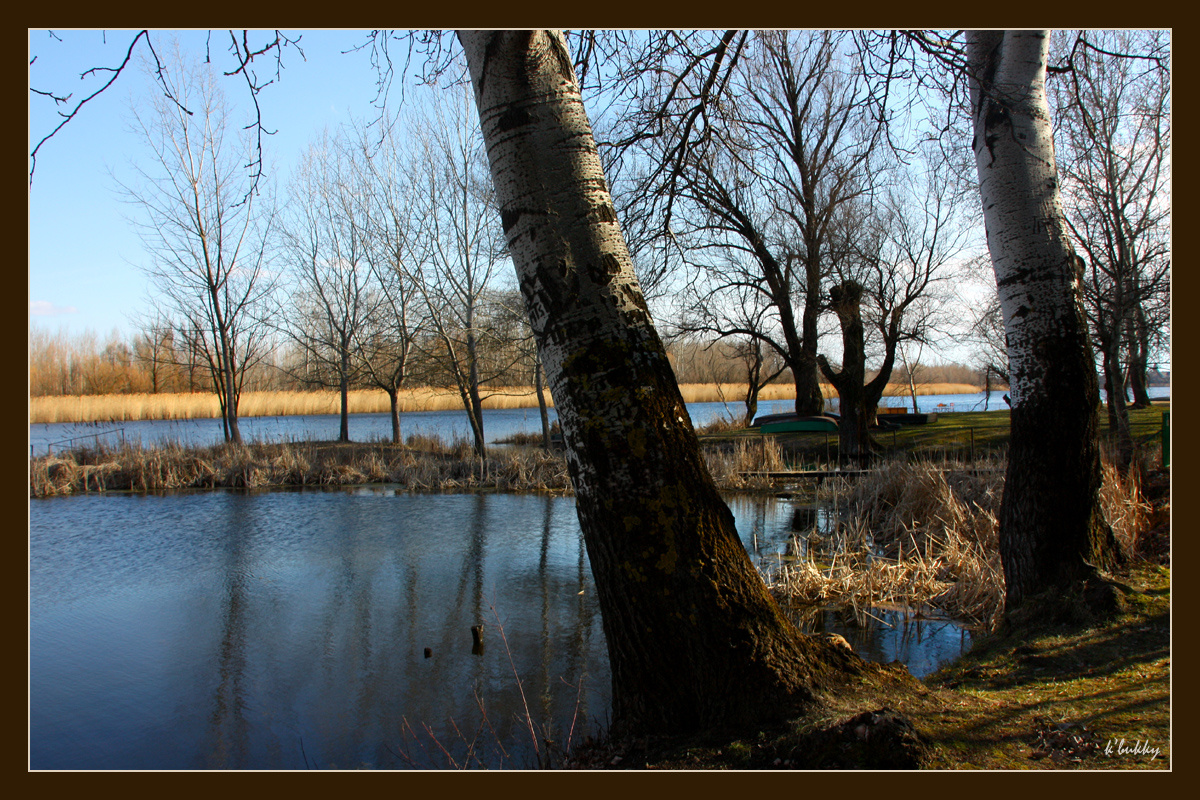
(1051, 532)
(1027, 235)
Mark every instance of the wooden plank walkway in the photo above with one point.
(801, 474)
(822, 474)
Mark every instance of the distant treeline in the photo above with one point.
(62, 364)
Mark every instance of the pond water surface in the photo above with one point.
(498, 424)
(322, 629)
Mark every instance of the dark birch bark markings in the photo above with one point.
(694, 638)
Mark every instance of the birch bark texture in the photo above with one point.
(1052, 533)
(694, 638)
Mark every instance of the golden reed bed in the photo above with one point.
(122, 407)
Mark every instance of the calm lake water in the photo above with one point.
(498, 423)
(288, 629)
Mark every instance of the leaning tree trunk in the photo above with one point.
(854, 444)
(1052, 534)
(694, 639)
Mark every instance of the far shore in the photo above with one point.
(126, 407)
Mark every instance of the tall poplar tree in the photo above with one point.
(1053, 536)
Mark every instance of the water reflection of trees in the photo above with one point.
(305, 645)
(539, 624)
(504, 562)
(228, 728)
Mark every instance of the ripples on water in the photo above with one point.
(288, 629)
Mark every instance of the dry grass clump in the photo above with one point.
(433, 467)
(722, 424)
(423, 463)
(910, 535)
(1125, 506)
(734, 467)
(918, 536)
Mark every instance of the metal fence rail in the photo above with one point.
(50, 446)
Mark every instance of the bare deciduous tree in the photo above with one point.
(333, 293)
(753, 179)
(205, 226)
(1113, 116)
(392, 233)
(895, 257)
(463, 250)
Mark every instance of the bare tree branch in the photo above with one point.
(70, 115)
(244, 55)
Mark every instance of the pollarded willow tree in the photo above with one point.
(694, 638)
(1053, 536)
(757, 156)
(896, 256)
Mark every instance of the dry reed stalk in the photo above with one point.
(132, 407)
(914, 535)
(1124, 506)
(907, 537)
(743, 466)
(200, 405)
(902, 390)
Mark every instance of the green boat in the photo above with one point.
(802, 425)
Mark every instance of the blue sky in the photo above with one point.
(84, 255)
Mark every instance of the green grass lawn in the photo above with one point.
(954, 435)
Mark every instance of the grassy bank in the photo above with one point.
(1093, 695)
(123, 407)
(423, 465)
(961, 436)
